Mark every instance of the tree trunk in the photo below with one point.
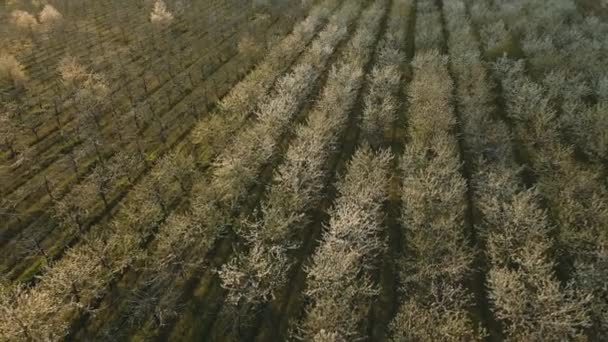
(41, 250)
(47, 186)
(105, 201)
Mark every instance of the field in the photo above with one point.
(315, 170)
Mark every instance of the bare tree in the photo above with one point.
(152, 299)
(32, 244)
(10, 133)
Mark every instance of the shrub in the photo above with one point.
(237, 168)
(381, 102)
(525, 294)
(590, 277)
(528, 106)
(433, 213)
(288, 201)
(566, 88)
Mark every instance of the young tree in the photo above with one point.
(75, 280)
(49, 16)
(112, 250)
(246, 278)
(92, 95)
(152, 198)
(160, 15)
(71, 72)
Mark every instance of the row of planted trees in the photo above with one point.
(524, 290)
(329, 309)
(340, 284)
(436, 262)
(382, 100)
(545, 102)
